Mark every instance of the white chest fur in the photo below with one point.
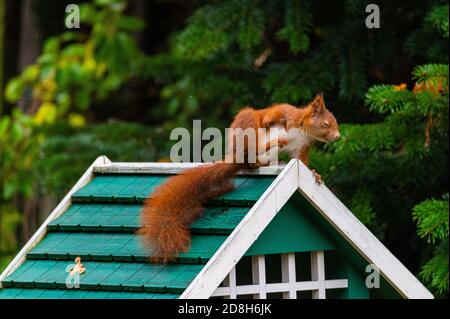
(297, 139)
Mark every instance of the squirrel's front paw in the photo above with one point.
(317, 177)
(282, 142)
(265, 123)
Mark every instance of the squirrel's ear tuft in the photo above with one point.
(318, 104)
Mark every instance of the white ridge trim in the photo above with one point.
(173, 168)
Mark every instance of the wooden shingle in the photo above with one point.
(99, 226)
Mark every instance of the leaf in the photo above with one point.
(63, 101)
(432, 219)
(435, 271)
(251, 27)
(131, 23)
(438, 19)
(82, 99)
(46, 114)
(8, 190)
(87, 13)
(51, 45)
(297, 23)
(76, 120)
(14, 90)
(31, 73)
(4, 125)
(17, 132)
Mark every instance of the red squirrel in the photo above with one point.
(175, 204)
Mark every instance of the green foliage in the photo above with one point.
(2, 47)
(67, 151)
(216, 27)
(297, 23)
(426, 41)
(18, 150)
(361, 205)
(73, 70)
(386, 99)
(435, 271)
(18, 147)
(423, 100)
(76, 68)
(214, 64)
(432, 72)
(432, 222)
(432, 219)
(437, 18)
(387, 171)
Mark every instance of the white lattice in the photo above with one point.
(289, 285)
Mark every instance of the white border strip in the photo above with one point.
(245, 234)
(173, 168)
(283, 287)
(342, 219)
(61, 208)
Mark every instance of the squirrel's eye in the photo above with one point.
(325, 124)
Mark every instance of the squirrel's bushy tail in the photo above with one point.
(175, 204)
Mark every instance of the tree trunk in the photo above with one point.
(29, 46)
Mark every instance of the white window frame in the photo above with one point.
(289, 286)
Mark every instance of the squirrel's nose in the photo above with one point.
(336, 135)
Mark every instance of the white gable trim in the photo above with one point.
(342, 219)
(296, 176)
(245, 234)
(61, 208)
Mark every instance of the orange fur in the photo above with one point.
(174, 205)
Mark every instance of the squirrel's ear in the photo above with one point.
(318, 103)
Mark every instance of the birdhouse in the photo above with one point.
(279, 234)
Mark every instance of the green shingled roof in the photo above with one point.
(99, 227)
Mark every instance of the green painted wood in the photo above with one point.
(346, 250)
(385, 291)
(9, 293)
(15, 293)
(174, 279)
(120, 186)
(135, 189)
(116, 246)
(249, 191)
(122, 274)
(101, 228)
(22, 269)
(356, 284)
(108, 276)
(102, 271)
(29, 294)
(292, 230)
(54, 276)
(125, 218)
(52, 293)
(137, 280)
(299, 226)
(27, 278)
